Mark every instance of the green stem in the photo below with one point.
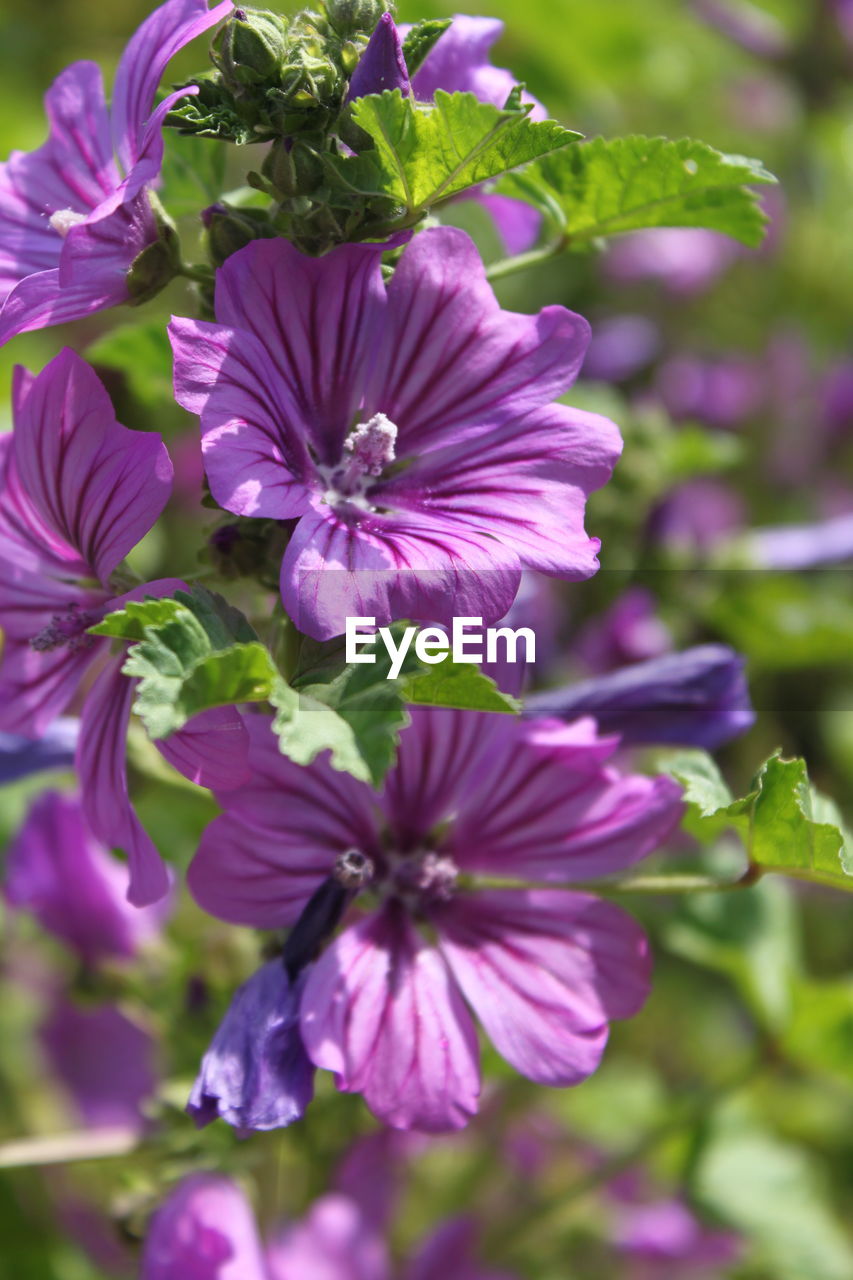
(201, 273)
(631, 884)
(521, 262)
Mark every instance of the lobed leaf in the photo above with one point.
(608, 186)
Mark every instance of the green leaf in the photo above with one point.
(193, 172)
(772, 1192)
(608, 186)
(458, 684)
(750, 937)
(130, 622)
(421, 39)
(820, 1034)
(424, 154)
(783, 621)
(142, 354)
(785, 824)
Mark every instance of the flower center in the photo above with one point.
(367, 451)
(424, 878)
(64, 219)
(67, 630)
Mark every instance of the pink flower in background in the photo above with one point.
(409, 428)
(75, 213)
(59, 872)
(685, 259)
(206, 1231)
(545, 970)
(78, 493)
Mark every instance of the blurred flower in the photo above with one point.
(19, 757)
(105, 1061)
(460, 471)
(620, 347)
(206, 1230)
(684, 259)
(76, 213)
(256, 1074)
(837, 400)
(672, 1241)
(79, 491)
(752, 28)
(696, 698)
(545, 970)
(628, 631)
(696, 517)
(60, 873)
(721, 393)
(804, 546)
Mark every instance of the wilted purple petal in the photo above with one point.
(205, 1231)
(380, 1010)
(696, 698)
(256, 1074)
(59, 872)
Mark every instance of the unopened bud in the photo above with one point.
(249, 49)
(229, 230)
(153, 268)
(354, 17)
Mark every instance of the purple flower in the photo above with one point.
(668, 1236)
(75, 213)
(803, 546)
(20, 757)
(105, 1061)
(460, 470)
(75, 889)
(721, 393)
(205, 1231)
(621, 347)
(697, 698)
(684, 259)
(752, 28)
(696, 517)
(334, 1241)
(448, 1254)
(382, 65)
(629, 631)
(545, 970)
(256, 1074)
(459, 62)
(78, 492)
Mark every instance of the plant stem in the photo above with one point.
(631, 884)
(521, 262)
(201, 273)
(67, 1148)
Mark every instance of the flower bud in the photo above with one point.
(354, 17)
(249, 49)
(153, 268)
(229, 230)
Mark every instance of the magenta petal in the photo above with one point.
(256, 460)
(318, 318)
(334, 1241)
(59, 872)
(98, 485)
(103, 774)
(525, 483)
(204, 1231)
(380, 1010)
(455, 364)
(37, 687)
(162, 34)
(403, 565)
(41, 300)
(99, 253)
(546, 807)
(545, 971)
(211, 750)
